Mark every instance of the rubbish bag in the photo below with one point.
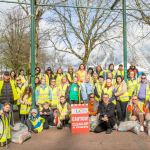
(20, 133)
(129, 126)
(94, 121)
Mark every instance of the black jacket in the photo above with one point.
(108, 110)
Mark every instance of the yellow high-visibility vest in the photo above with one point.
(55, 96)
(131, 86)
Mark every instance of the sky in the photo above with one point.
(133, 32)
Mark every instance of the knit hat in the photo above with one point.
(34, 111)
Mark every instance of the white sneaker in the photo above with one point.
(142, 129)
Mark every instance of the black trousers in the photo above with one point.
(104, 125)
(121, 110)
(49, 119)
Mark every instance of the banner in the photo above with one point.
(79, 118)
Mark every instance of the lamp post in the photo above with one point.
(33, 3)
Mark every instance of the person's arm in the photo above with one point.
(36, 95)
(124, 89)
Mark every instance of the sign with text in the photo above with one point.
(79, 118)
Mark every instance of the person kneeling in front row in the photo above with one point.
(107, 115)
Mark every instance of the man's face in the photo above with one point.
(135, 100)
(120, 67)
(6, 78)
(37, 71)
(53, 82)
(105, 99)
(46, 106)
(75, 80)
(87, 79)
(143, 79)
(33, 114)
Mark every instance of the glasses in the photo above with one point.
(91, 96)
(134, 98)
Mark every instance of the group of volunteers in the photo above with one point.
(107, 94)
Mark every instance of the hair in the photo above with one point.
(39, 69)
(121, 65)
(25, 91)
(81, 65)
(91, 94)
(119, 76)
(97, 67)
(58, 69)
(5, 104)
(45, 103)
(62, 97)
(90, 68)
(110, 65)
(49, 69)
(101, 77)
(15, 75)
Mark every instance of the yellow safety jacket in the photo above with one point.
(120, 73)
(99, 91)
(81, 76)
(147, 91)
(24, 108)
(109, 91)
(63, 110)
(43, 95)
(113, 73)
(55, 96)
(23, 80)
(38, 124)
(69, 77)
(7, 131)
(131, 86)
(124, 97)
(101, 73)
(20, 92)
(15, 94)
(63, 89)
(58, 79)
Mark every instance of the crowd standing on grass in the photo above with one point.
(110, 99)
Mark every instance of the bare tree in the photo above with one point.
(15, 43)
(82, 26)
(39, 11)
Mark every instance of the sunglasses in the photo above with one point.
(91, 96)
(143, 78)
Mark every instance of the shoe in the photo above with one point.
(108, 131)
(115, 127)
(142, 129)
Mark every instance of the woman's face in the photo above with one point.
(119, 80)
(53, 82)
(37, 80)
(98, 68)
(82, 67)
(64, 80)
(108, 83)
(59, 71)
(12, 74)
(110, 75)
(70, 70)
(111, 67)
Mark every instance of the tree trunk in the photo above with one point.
(86, 56)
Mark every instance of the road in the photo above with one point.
(54, 139)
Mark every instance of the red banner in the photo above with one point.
(79, 118)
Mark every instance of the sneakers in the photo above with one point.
(108, 131)
(142, 129)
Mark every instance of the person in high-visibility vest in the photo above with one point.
(64, 111)
(59, 75)
(8, 92)
(138, 111)
(99, 70)
(50, 75)
(70, 74)
(55, 93)
(143, 90)
(111, 70)
(120, 71)
(63, 86)
(131, 84)
(97, 87)
(108, 89)
(43, 93)
(35, 122)
(23, 77)
(5, 116)
(90, 73)
(20, 89)
(122, 97)
(25, 104)
(81, 74)
(13, 76)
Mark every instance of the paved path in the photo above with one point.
(54, 139)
